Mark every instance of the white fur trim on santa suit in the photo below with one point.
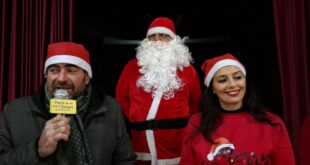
(219, 65)
(160, 30)
(149, 133)
(147, 157)
(68, 59)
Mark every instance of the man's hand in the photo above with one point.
(56, 129)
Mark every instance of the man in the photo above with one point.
(30, 134)
(158, 91)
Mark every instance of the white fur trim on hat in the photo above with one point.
(160, 30)
(221, 64)
(68, 59)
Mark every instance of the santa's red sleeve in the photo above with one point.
(122, 88)
(195, 92)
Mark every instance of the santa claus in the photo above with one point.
(158, 91)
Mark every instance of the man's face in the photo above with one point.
(66, 76)
(159, 37)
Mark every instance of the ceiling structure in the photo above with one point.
(196, 20)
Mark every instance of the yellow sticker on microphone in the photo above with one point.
(62, 106)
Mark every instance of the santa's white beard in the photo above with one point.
(159, 62)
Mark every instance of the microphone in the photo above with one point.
(62, 103)
(61, 94)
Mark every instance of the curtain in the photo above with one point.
(27, 26)
(291, 34)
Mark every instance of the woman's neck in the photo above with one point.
(241, 109)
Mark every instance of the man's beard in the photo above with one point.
(159, 62)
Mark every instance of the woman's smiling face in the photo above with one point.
(229, 84)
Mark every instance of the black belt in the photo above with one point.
(159, 124)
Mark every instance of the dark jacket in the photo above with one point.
(23, 120)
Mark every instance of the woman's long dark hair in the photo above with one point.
(211, 110)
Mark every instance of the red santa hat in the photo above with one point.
(162, 25)
(211, 66)
(69, 53)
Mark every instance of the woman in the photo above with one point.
(232, 128)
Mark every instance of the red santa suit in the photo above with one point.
(136, 103)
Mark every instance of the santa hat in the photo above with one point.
(211, 66)
(69, 53)
(162, 25)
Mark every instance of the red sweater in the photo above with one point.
(252, 140)
(136, 103)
